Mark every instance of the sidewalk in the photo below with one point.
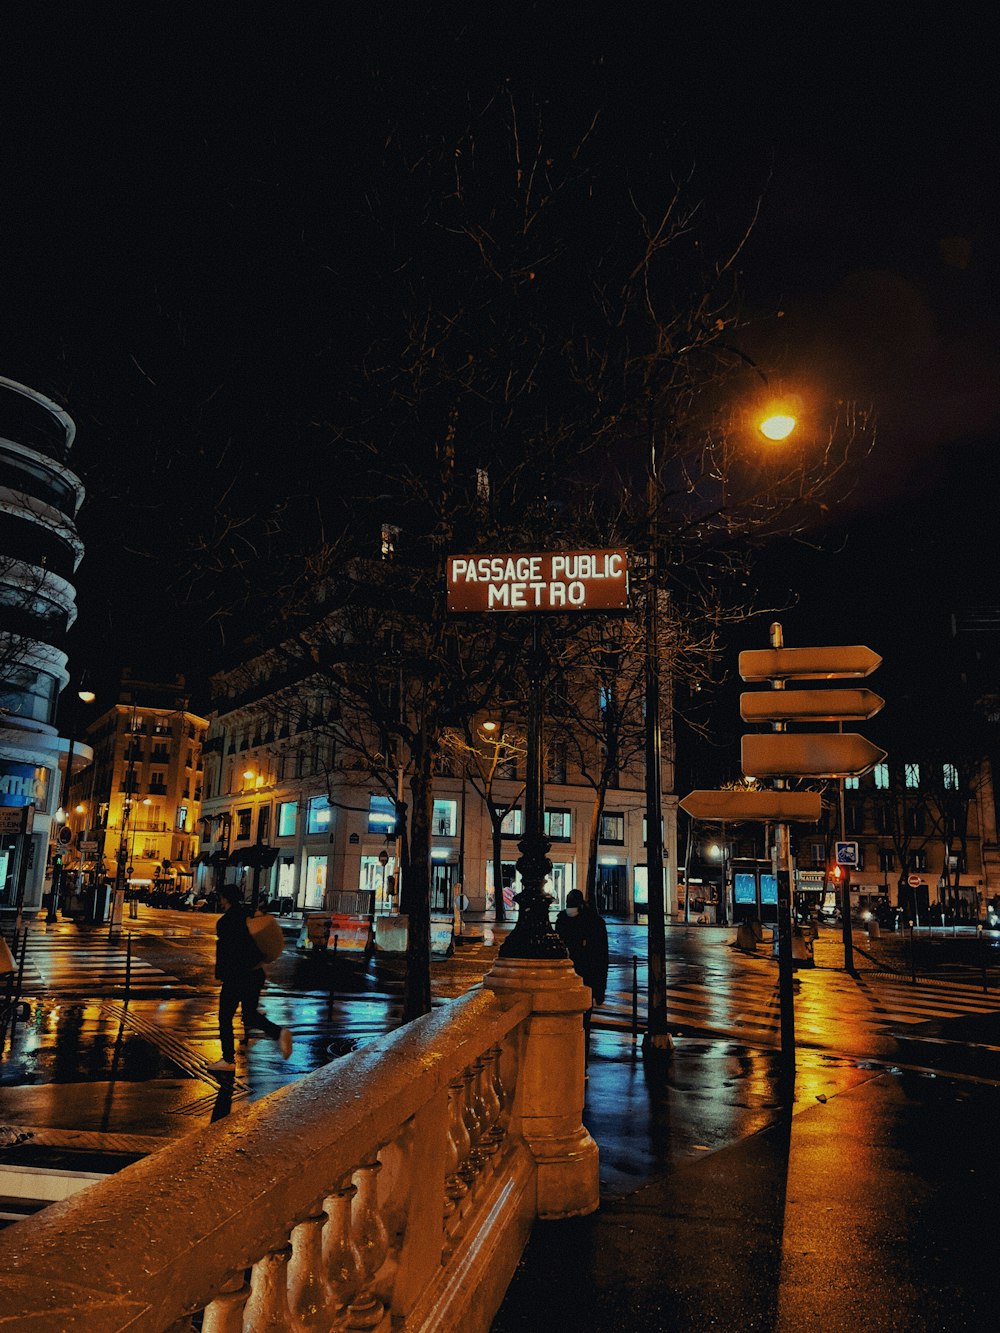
(865, 1203)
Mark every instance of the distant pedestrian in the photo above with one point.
(239, 966)
(585, 935)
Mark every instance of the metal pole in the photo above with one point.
(128, 966)
(846, 929)
(657, 1039)
(782, 874)
(635, 1002)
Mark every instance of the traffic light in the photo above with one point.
(57, 861)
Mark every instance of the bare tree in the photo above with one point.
(489, 752)
(542, 335)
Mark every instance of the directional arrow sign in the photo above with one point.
(780, 807)
(821, 755)
(810, 705)
(807, 663)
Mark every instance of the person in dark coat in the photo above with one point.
(585, 936)
(239, 966)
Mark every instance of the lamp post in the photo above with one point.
(776, 426)
(118, 899)
(657, 1039)
(85, 696)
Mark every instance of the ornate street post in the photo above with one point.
(533, 936)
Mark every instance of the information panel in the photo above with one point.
(542, 581)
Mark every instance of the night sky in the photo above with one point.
(187, 201)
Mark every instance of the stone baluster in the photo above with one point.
(310, 1299)
(473, 1161)
(225, 1313)
(503, 1117)
(341, 1260)
(369, 1236)
(457, 1147)
(267, 1308)
(488, 1141)
(491, 1096)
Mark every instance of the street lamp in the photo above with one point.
(777, 426)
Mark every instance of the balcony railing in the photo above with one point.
(396, 1186)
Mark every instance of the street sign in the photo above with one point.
(88, 847)
(16, 819)
(539, 581)
(914, 881)
(807, 663)
(809, 705)
(809, 755)
(65, 835)
(792, 807)
(847, 854)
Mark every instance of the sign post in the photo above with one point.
(535, 583)
(819, 754)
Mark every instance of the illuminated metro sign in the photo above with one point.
(541, 581)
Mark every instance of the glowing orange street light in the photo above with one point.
(778, 426)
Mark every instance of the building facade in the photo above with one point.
(138, 804)
(920, 836)
(39, 554)
(275, 776)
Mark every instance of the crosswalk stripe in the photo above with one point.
(747, 1001)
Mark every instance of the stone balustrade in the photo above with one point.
(394, 1188)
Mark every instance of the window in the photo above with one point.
(242, 825)
(883, 819)
(854, 815)
(818, 853)
(182, 817)
(851, 784)
(882, 776)
(644, 838)
(916, 820)
(950, 775)
(320, 814)
(558, 825)
(886, 861)
(157, 782)
(382, 815)
(287, 812)
(512, 825)
(612, 828)
(557, 762)
(445, 818)
(919, 860)
(911, 775)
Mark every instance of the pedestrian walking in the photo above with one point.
(582, 929)
(239, 966)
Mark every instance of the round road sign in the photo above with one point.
(914, 881)
(383, 857)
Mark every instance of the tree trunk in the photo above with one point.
(417, 991)
(499, 908)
